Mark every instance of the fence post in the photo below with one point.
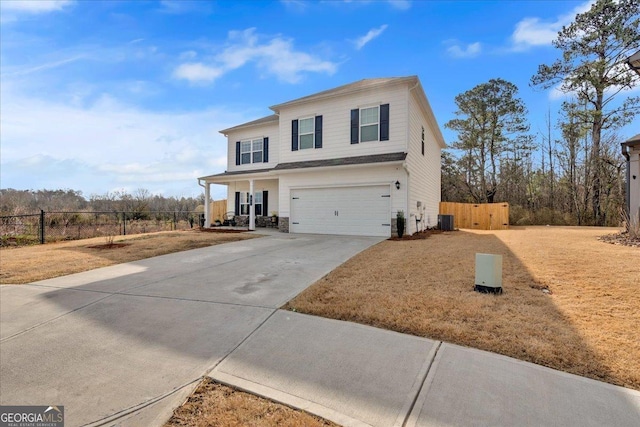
(124, 223)
(41, 227)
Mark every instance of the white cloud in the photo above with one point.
(276, 56)
(533, 31)
(360, 42)
(189, 54)
(34, 6)
(46, 66)
(196, 72)
(48, 144)
(400, 4)
(178, 7)
(469, 51)
(396, 4)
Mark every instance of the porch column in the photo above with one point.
(252, 209)
(207, 205)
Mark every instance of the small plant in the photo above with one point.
(632, 224)
(109, 239)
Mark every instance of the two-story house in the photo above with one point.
(342, 161)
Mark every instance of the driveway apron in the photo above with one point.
(125, 344)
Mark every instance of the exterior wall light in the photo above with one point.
(397, 185)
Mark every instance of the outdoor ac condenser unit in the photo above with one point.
(488, 273)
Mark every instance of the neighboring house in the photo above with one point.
(631, 152)
(342, 161)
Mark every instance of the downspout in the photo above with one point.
(627, 186)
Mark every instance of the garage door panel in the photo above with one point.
(342, 210)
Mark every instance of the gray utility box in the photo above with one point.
(445, 222)
(488, 273)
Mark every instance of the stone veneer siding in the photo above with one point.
(284, 224)
(394, 227)
(261, 221)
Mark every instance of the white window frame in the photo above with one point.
(312, 133)
(256, 204)
(251, 152)
(361, 125)
(244, 203)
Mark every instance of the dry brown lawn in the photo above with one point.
(589, 323)
(213, 404)
(32, 263)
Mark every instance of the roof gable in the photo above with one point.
(268, 119)
(360, 85)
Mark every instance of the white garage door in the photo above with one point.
(355, 211)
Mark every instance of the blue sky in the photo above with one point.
(103, 96)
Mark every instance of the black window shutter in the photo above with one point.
(355, 122)
(384, 122)
(237, 153)
(294, 135)
(237, 210)
(265, 149)
(265, 203)
(318, 143)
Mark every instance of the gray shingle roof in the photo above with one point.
(343, 161)
(263, 120)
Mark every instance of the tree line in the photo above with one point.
(573, 173)
(140, 203)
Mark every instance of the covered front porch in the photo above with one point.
(252, 199)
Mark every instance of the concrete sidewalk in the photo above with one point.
(358, 375)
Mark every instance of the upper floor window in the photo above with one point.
(370, 124)
(306, 129)
(252, 151)
(306, 133)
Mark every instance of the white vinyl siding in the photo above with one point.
(270, 130)
(424, 169)
(270, 185)
(369, 124)
(336, 123)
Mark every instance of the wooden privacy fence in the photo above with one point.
(218, 209)
(479, 216)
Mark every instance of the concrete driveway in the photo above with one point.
(126, 344)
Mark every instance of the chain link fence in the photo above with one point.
(19, 230)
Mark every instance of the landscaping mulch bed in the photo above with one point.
(622, 238)
(425, 234)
